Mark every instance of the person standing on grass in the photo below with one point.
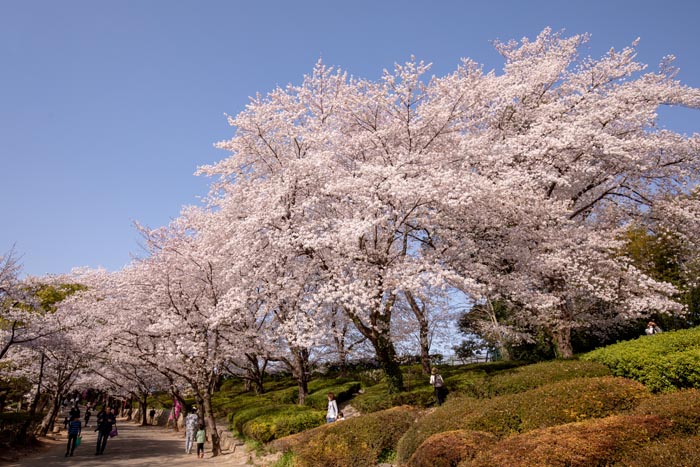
(201, 436)
(438, 385)
(332, 413)
(191, 422)
(105, 424)
(74, 430)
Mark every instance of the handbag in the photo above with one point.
(113, 433)
(78, 440)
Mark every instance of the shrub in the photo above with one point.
(665, 452)
(662, 362)
(583, 444)
(449, 448)
(280, 423)
(682, 408)
(319, 399)
(529, 377)
(356, 442)
(377, 398)
(563, 402)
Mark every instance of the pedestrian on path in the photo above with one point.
(88, 414)
(191, 422)
(201, 436)
(152, 415)
(105, 423)
(332, 412)
(74, 430)
(438, 384)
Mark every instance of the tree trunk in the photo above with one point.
(48, 421)
(562, 342)
(421, 315)
(143, 407)
(210, 422)
(386, 353)
(22, 435)
(301, 372)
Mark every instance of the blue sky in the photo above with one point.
(108, 107)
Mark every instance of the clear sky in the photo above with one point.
(107, 107)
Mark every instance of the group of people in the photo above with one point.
(106, 428)
(194, 432)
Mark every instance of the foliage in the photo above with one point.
(356, 442)
(681, 451)
(553, 404)
(278, 422)
(584, 444)
(681, 408)
(319, 400)
(662, 362)
(449, 448)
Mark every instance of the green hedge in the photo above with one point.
(343, 392)
(563, 402)
(280, 423)
(662, 362)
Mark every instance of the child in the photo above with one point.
(201, 435)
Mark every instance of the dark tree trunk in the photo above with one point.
(562, 341)
(22, 435)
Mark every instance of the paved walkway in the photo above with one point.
(136, 446)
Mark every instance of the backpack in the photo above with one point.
(438, 382)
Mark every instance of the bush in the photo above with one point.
(449, 448)
(319, 399)
(280, 423)
(665, 452)
(356, 442)
(529, 377)
(583, 444)
(662, 362)
(682, 408)
(563, 402)
(378, 398)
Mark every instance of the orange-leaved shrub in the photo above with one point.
(563, 402)
(449, 448)
(681, 451)
(355, 442)
(682, 408)
(596, 442)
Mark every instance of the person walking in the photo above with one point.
(74, 430)
(152, 416)
(106, 422)
(332, 412)
(191, 423)
(88, 414)
(201, 436)
(438, 385)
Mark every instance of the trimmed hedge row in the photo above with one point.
(563, 402)
(662, 362)
(356, 442)
(583, 444)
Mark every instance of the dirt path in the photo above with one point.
(135, 446)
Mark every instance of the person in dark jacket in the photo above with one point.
(105, 424)
(74, 429)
